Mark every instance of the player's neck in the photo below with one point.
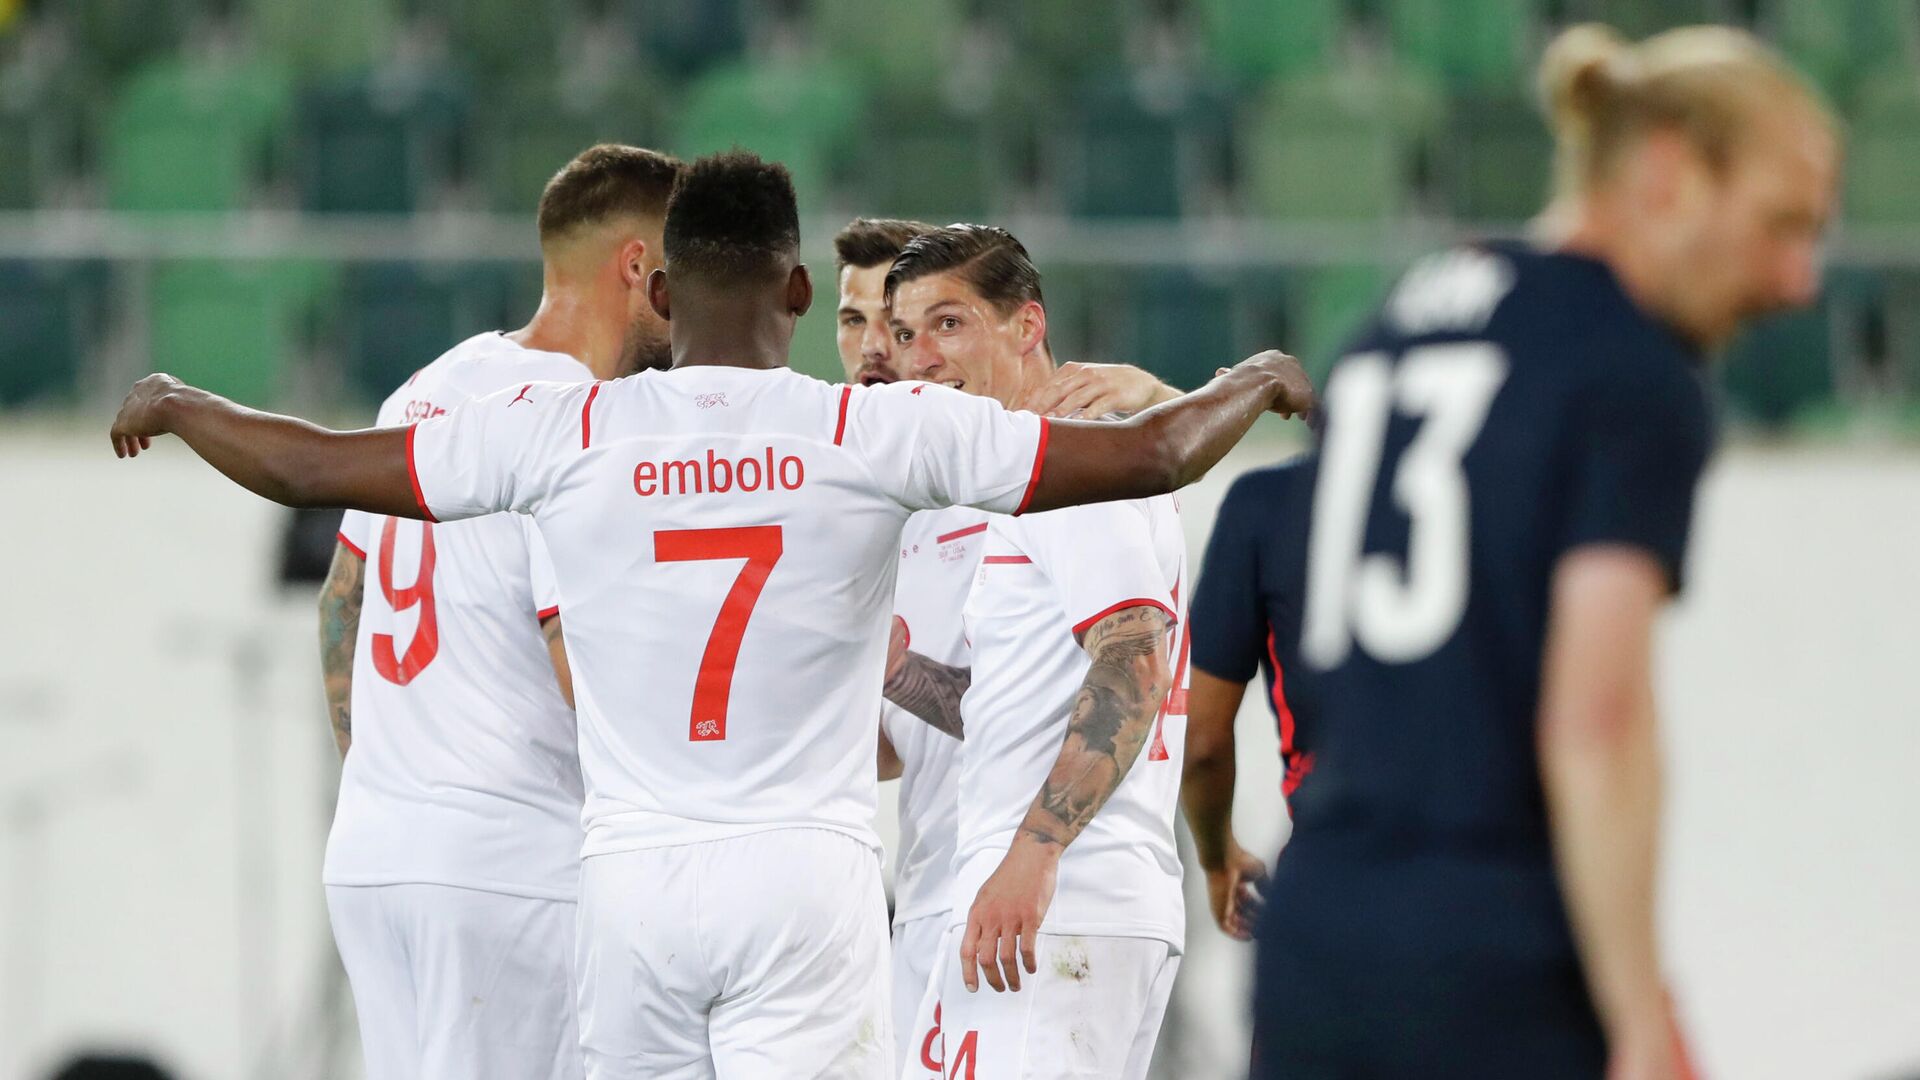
(737, 340)
(1594, 230)
(565, 323)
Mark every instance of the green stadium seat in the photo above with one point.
(493, 39)
(1121, 157)
(682, 38)
(1882, 147)
(323, 39)
(1329, 305)
(805, 116)
(192, 137)
(44, 112)
(51, 311)
(1255, 40)
(920, 158)
(232, 327)
(121, 35)
(376, 145)
(524, 136)
(884, 43)
(1779, 371)
(394, 318)
(1493, 159)
(1335, 147)
(1066, 40)
(1481, 45)
(1183, 325)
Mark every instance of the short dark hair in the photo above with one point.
(987, 258)
(871, 242)
(732, 216)
(603, 181)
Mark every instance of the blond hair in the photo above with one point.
(1710, 83)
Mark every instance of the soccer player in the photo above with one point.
(1065, 847)
(1246, 620)
(928, 660)
(724, 536)
(453, 864)
(1500, 514)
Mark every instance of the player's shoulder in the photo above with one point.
(1272, 485)
(490, 362)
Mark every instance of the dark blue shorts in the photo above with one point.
(1388, 963)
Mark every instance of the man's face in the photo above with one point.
(945, 332)
(1753, 247)
(866, 348)
(646, 344)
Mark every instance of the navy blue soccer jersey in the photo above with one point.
(1504, 407)
(1245, 614)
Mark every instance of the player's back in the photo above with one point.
(464, 769)
(726, 541)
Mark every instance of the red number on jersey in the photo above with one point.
(761, 546)
(1176, 703)
(426, 637)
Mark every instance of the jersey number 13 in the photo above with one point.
(1398, 613)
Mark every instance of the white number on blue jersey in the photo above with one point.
(1398, 613)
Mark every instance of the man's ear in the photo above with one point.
(633, 263)
(1032, 321)
(657, 294)
(799, 290)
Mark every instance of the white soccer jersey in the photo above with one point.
(726, 540)
(1042, 581)
(464, 769)
(939, 550)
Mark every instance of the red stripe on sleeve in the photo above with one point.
(1296, 765)
(586, 417)
(840, 429)
(1081, 626)
(355, 548)
(413, 477)
(958, 533)
(546, 613)
(1039, 458)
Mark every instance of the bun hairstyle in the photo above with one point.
(1710, 83)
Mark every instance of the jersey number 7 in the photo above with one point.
(761, 546)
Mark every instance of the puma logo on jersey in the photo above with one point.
(916, 390)
(522, 396)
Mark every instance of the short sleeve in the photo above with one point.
(931, 446)
(1642, 449)
(1100, 559)
(546, 592)
(356, 531)
(1228, 622)
(497, 452)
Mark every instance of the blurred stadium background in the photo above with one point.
(298, 203)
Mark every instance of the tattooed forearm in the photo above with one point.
(339, 628)
(929, 690)
(1111, 718)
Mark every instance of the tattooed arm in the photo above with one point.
(1112, 716)
(926, 688)
(557, 650)
(339, 628)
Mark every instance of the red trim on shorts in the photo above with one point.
(353, 547)
(586, 417)
(1005, 560)
(413, 477)
(546, 613)
(1297, 765)
(840, 429)
(1081, 626)
(1039, 457)
(958, 533)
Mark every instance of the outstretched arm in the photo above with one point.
(339, 629)
(923, 686)
(1112, 717)
(290, 461)
(1206, 792)
(1168, 446)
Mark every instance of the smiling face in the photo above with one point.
(946, 332)
(866, 345)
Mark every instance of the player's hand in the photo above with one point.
(1233, 890)
(1006, 916)
(1092, 391)
(141, 415)
(1296, 397)
(1649, 1046)
(896, 647)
